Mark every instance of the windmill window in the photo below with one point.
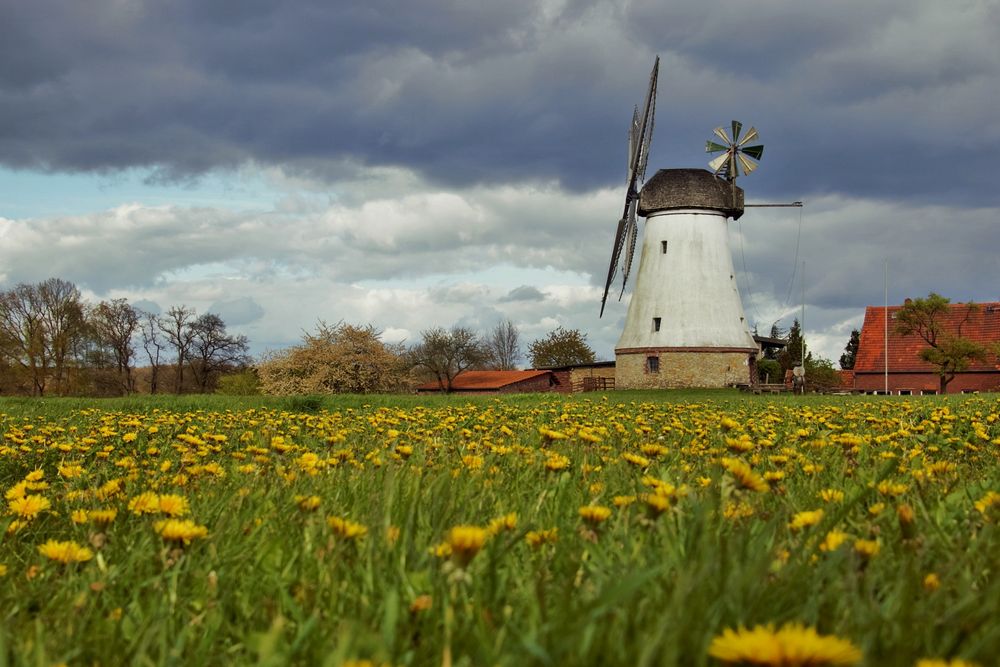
(652, 364)
(663, 247)
(656, 324)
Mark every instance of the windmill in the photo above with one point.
(685, 324)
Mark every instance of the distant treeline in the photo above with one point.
(54, 343)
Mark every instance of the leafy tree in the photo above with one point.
(443, 354)
(821, 375)
(244, 383)
(342, 358)
(948, 350)
(562, 347)
(503, 347)
(850, 354)
(769, 371)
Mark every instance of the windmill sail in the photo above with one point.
(639, 138)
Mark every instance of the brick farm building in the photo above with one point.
(907, 372)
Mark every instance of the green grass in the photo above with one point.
(272, 584)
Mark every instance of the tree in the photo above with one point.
(503, 347)
(777, 333)
(948, 350)
(42, 332)
(850, 354)
(176, 328)
(444, 354)
(154, 345)
(115, 324)
(213, 350)
(562, 347)
(342, 358)
(792, 356)
(769, 371)
(64, 326)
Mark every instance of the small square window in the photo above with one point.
(653, 364)
(656, 324)
(663, 247)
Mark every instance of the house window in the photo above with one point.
(652, 364)
(928, 392)
(663, 247)
(656, 324)
(905, 392)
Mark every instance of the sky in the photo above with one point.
(440, 162)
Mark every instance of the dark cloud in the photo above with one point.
(505, 92)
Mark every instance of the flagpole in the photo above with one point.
(885, 283)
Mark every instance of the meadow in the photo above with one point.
(658, 528)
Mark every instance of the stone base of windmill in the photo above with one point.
(676, 368)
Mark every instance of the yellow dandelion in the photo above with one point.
(65, 552)
(744, 476)
(867, 548)
(656, 503)
(794, 645)
(3, 570)
(465, 542)
(595, 514)
(636, 460)
(833, 540)
(550, 434)
(556, 462)
(173, 505)
(832, 495)
(805, 519)
(932, 582)
(536, 538)
(102, 517)
(988, 502)
(145, 503)
(308, 503)
(346, 529)
(29, 506)
(937, 662)
(507, 522)
(179, 530)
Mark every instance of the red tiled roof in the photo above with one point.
(982, 326)
(485, 380)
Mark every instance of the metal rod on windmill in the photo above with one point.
(685, 324)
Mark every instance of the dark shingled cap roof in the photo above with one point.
(690, 188)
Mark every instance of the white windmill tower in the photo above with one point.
(685, 325)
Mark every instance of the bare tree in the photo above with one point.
(503, 346)
(213, 350)
(154, 345)
(63, 321)
(176, 328)
(42, 332)
(22, 335)
(445, 354)
(115, 324)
